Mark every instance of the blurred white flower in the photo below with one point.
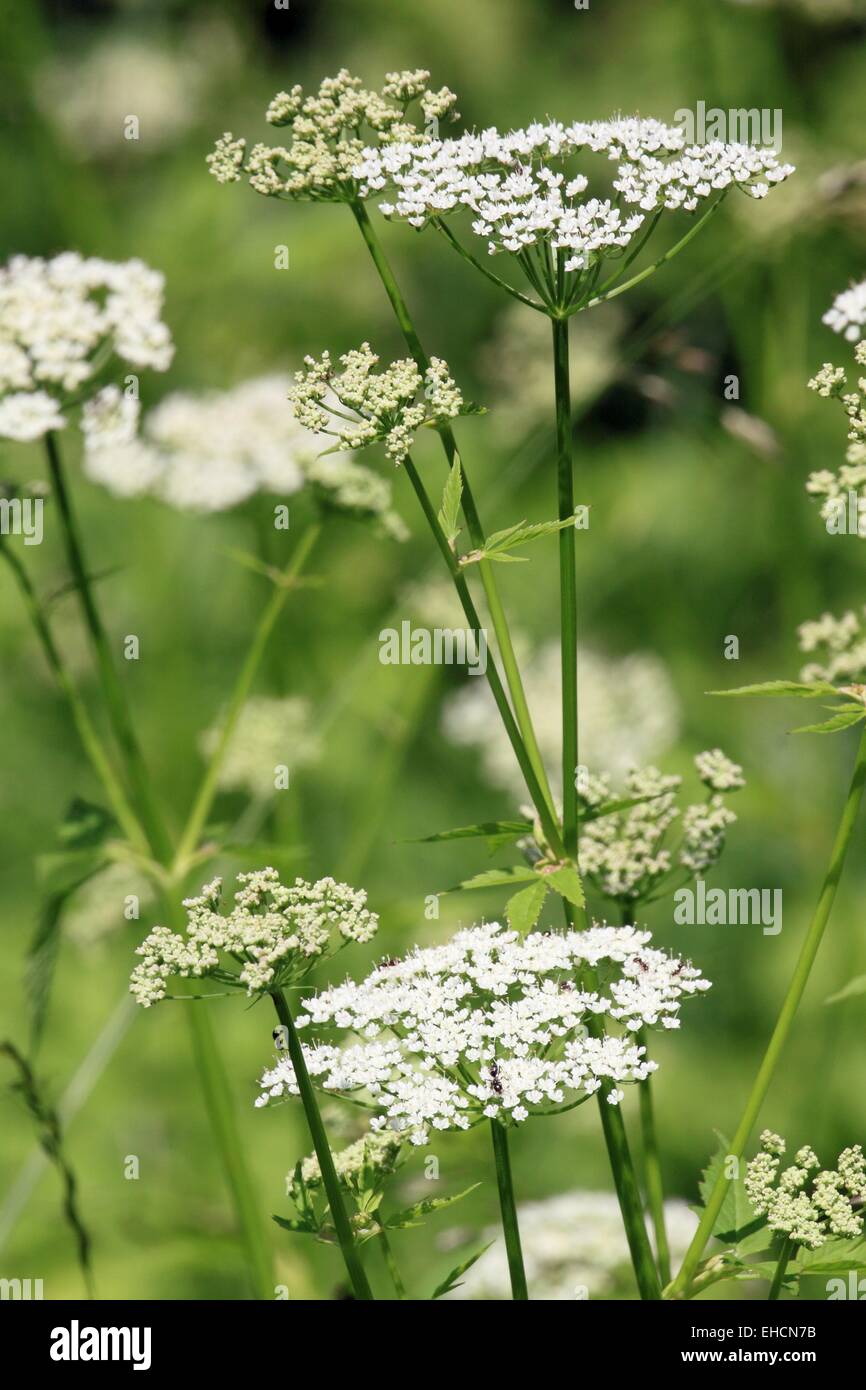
(270, 732)
(847, 313)
(629, 715)
(574, 1247)
(104, 904)
(61, 320)
(210, 451)
(91, 95)
(839, 642)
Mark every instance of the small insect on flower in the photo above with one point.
(491, 1025)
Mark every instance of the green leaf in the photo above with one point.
(849, 991)
(411, 1216)
(798, 689)
(44, 946)
(494, 878)
(501, 830)
(521, 534)
(85, 824)
(737, 1224)
(523, 909)
(611, 808)
(843, 720)
(833, 1257)
(449, 512)
(297, 1225)
(566, 882)
(449, 1283)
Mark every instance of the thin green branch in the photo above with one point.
(265, 626)
(348, 1245)
(470, 511)
(567, 585)
(662, 260)
(790, 1004)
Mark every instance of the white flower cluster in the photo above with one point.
(831, 381)
(60, 321)
(625, 856)
(362, 1166)
(274, 933)
(847, 313)
(491, 1025)
(844, 647)
(212, 451)
(574, 1246)
(329, 132)
(629, 714)
(523, 190)
(805, 1202)
(359, 406)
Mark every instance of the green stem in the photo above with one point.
(662, 260)
(348, 1244)
(214, 1079)
(115, 701)
(796, 988)
(221, 1114)
(207, 789)
(628, 1193)
(653, 1172)
(470, 511)
(551, 829)
(90, 740)
(390, 1262)
(784, 1258)
(567, 584)
(508, 1211)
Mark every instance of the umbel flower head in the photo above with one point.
(803, 1201)
(211, 451)
(840, 645)
(327, 133)
(359, 406)
(491, 1025)
(528, 191)
(272, 936)
(61, 321)
(848, 316)
(627, 856)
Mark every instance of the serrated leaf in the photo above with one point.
(611, 808)
(521, 534)
(491, 829)
(566, 882)
(449, 1283)
(834, 1257)
(737, 1224)
(495, 878)
(411, 1216)
(849, 991)
(524, 908)
(843, 720)
(296, 1225)
(797, 689)
(449, 512)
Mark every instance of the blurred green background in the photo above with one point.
(700, 528)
